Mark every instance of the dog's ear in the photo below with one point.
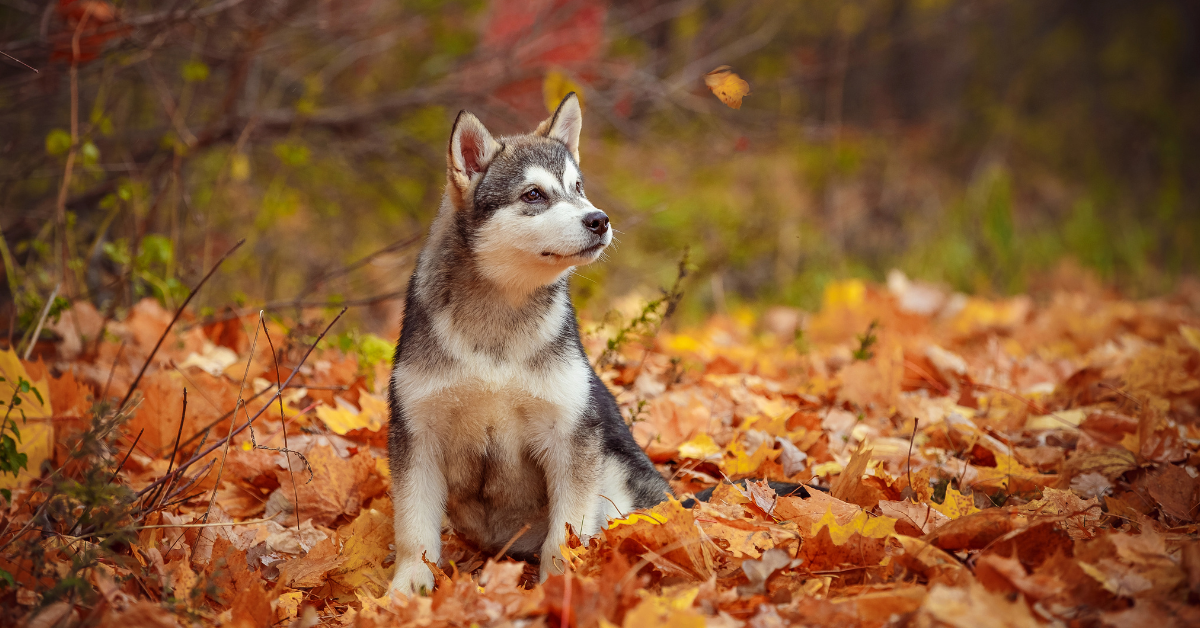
(565, 124)
(472, 148)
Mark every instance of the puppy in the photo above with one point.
(497, 418)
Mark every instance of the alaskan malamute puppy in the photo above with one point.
(497, 418)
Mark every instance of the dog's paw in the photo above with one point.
(412, 578)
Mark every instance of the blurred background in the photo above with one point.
(991, 146)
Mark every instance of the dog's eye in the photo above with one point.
(579, 187)
(532, 196)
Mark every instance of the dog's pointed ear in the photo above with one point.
(472, 148)
(565, 124)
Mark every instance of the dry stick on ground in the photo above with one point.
(916, 421)
(126, 458)
(233, 420)
(178, 313)
(37, 331)
(283, 422)
(174, 450)
(211, 448)
(525, 528)
(204, 430)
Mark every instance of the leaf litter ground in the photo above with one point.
(987, 462)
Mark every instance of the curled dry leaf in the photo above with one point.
(727, 86)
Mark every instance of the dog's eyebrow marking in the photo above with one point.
(542, 178)
(570, 174)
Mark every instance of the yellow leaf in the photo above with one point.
(673, 610)
(647, 516)
(1010, 475)
(37, 433)
(727, 86)
(861, 524)
(955, 505)
(848, 294)
(738, 461)
(680, 343)
(1191, 335)
(1055, 421)
(13, 371)
(555, 88)
(700, 447)
(827, 468)
(346, 418)
(366, 548)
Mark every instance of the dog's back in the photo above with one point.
(497, 418)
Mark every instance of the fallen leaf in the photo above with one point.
(1175, 491)
(727, 86)
(956, 504)
(366, 546)
(972, 607)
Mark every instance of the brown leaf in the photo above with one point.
(309, 570)
(913, 519)
(1082, 516)
(972, 607)
(977, 531)
(1175, 491)
(727, 86)
(339, 487)
(847, 484)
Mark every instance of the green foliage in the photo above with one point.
(152, 268)
(58, 142)
(194, 71)
(649, 320)
(369, 348)
(866, 342)
(84, 504)
(11, 460)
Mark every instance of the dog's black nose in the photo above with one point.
(596, 222)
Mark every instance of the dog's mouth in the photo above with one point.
(587, 252)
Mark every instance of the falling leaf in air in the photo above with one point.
(727, 86)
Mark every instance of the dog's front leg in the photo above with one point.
(571, 460)
(419, 503)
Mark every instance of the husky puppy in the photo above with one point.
(497, 418)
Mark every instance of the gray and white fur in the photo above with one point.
(497, 418)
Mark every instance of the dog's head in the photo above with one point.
(521, 200)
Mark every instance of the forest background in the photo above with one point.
(976, 143)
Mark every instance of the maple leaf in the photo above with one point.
(727, 86)
(366, 546)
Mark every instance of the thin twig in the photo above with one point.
(178, 313)
(175, 450)
(113, 369)
(283, 421)
(240, 401)
(500, 554)
(916, 421)
(204, 430)
(37, 331)
(19, 61)
(122, 465)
